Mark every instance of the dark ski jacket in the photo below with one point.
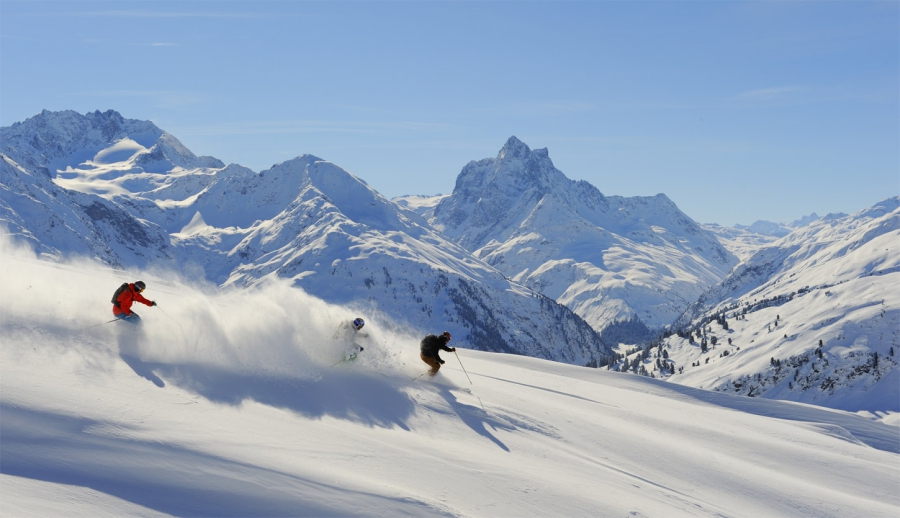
(126, 298)
(432, 345)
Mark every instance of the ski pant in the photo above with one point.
(435, 366)
(133, 318)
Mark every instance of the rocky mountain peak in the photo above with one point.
(514, 148)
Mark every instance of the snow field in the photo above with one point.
(225, 404)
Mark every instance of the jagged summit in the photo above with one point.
(609, 258)
(514, 148)
(488, 190)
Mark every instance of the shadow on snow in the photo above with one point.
(169, 478)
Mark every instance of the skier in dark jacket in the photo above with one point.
(430, 349)
(123, 299)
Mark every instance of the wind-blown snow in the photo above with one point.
(225, 403)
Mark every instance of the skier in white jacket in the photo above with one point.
(347, 334)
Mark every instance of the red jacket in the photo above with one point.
(126, 299)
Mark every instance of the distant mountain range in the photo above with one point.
(768, 228)
(518, 258)
(130, 195)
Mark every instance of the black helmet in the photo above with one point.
(446, 336)
(140, 285)
(358, 323)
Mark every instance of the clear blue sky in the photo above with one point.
(737, 111)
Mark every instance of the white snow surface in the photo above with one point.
(742, 243)
(423, 205)
(225, 403)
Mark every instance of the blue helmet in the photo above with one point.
(358, 323)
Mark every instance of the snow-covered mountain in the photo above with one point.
(226, 404)
(56, 221)
(130, 194)
(544, 250)
(608, 258)
(67, 141)
(813, 317)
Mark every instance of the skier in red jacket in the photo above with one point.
(125, 296)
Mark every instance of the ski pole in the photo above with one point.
(463, 368)
(420, 375)
(470, 381)
(164, 312)
(100, 324)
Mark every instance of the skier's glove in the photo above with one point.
(153, 303)
(453, 349)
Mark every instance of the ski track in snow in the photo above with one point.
(225, 404)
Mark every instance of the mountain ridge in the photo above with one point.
(303, 219)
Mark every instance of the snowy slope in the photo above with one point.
(815, 315)
(60, 222)
(130, 194)
(422, 205)
(608, 258)
(225, 404)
